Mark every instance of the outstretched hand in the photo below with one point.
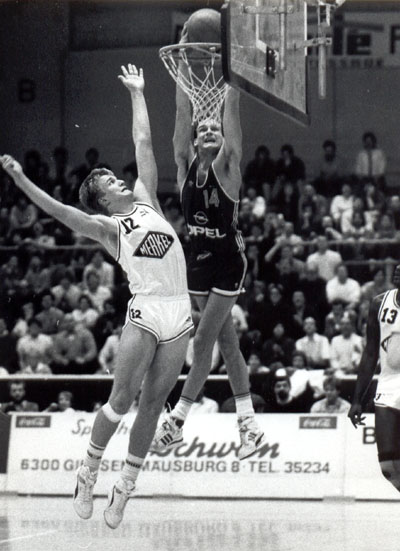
(132, 78)
(10, 165)
(355, 415)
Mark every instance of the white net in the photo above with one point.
(195, 67)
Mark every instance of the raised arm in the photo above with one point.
(95, 227)
(146, 185)
(228, 159)
(183, 149)
(368, 362)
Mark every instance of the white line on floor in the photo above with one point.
(28, 536)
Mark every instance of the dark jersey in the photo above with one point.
(211, 216)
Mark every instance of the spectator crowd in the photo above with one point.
(318, 249)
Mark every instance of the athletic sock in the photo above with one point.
(244, 405)
(131, 468)
(93, 457)
(181, 410)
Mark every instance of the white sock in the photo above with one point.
(182, 408)
(93, 457)
(131, 468)
(244, 405)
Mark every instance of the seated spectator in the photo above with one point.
(85, 313)
(314, 346)
(37, 275)
(332, 403)
(374, 201)
(257, 202)
(344, 288)
(32, 162)
(314, 289)
(278, 348)
(288, 237)
(285, 200)
(318, 203)
(12, 270)
(378, 285)
(8, 349)
(103, 269)
(40, 237)
(346, 348)
(333, 319)
(300, 310)
(330, 171)
(324, 258)
(289, 166)
(17, 401)
(74, 349)
(59, 172)
(266, 311)
(106, 323)
(341, 204)
(50, 316)
(66, 294)
(63, 404)
(370, 160)
(355, 223)
(281, 400)
(385, 230)
(23, 216)
(35, 349)
(393, 209)
(254, 365)
(26, 314)
(203, 405)
(108, 354)
(91, 161)
(239, 315)
(97, 293)
(328, 229)
(260, 172)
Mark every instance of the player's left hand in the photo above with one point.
(132, 78)
(10, 165)
(355, 415)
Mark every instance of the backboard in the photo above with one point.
(263, 52)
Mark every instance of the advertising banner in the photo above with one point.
(304, 456)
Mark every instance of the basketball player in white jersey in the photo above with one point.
(132, 228)
(209, 179)
(383, 344)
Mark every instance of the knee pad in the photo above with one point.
(111, 415)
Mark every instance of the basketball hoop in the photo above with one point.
(195, 67)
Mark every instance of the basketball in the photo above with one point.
(204, 26)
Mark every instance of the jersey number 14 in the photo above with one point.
(211, 198)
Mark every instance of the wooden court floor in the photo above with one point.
(50, 524)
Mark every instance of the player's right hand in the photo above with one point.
(10, 165)
(355, 415)
(184, 35)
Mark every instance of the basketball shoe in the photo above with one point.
(117, 500)
(251, 437)
(168, 435)
(83, 495)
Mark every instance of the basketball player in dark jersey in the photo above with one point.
(209, 179)
(383, 344)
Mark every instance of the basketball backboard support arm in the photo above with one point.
(261, 55)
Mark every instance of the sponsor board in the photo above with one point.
(292, 463)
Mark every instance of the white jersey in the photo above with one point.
(150, 253)
(388, 389)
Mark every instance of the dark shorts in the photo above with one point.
(223, 275)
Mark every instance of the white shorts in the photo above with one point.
(167, 318)
(388, 391)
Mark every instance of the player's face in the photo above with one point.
(396, 277)
(209, 135)
(113, 188)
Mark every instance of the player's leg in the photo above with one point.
(135, 354)
(387, 433)
(251, 435)
(159, 381)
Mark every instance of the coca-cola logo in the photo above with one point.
(33, 421)
(197, 448)
(325, 422)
